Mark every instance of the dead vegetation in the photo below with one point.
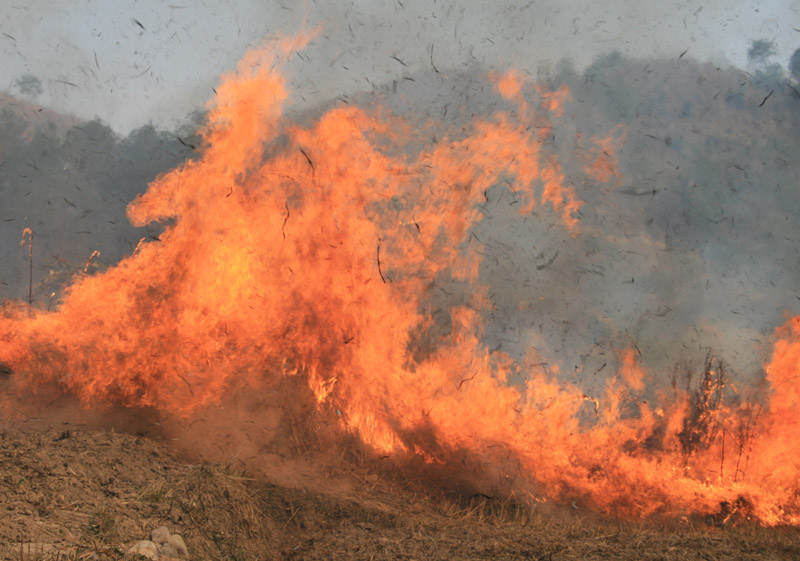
(73, 493)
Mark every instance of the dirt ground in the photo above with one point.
(80, 492)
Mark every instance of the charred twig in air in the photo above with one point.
(634, 193)
(461, 383)
(400, 61)
(548, 263)
(182, 141)
(188, 385)
(310, 163)
(27, 235)
(285, 219)
(766, 98)
(433, 65)
(379, 264)
(593, 271)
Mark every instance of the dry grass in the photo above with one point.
(91, 494)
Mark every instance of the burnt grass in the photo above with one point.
(73, 492)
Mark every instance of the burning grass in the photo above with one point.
(291, 284)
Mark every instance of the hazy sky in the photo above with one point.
(134, 62)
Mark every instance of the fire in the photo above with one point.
(308, 251)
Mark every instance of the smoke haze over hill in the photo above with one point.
(689, 248)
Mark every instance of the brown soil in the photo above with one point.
(73, 492)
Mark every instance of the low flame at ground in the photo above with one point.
(307, 251)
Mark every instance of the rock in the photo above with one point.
(163, 547)
(160, 535)
(168, 550)
(180, 545)
(145, 548)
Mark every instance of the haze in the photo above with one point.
(133, 63)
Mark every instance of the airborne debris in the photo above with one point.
(630, 191)
(398, 60)
(285, 219)
(548, 262)
(182, 141)
(380, 272)
(308, 159)
(433, 65)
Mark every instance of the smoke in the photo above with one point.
(69, 182)
(683, 244)
(689, 249)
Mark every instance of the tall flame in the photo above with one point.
(308, 251)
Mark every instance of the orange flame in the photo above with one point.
(307, 251)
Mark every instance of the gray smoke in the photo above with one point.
(690, 248)
(70, 182)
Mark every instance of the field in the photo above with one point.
(82, 492)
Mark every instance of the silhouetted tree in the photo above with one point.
(760, 50)
(30, 85)
(794, 64)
